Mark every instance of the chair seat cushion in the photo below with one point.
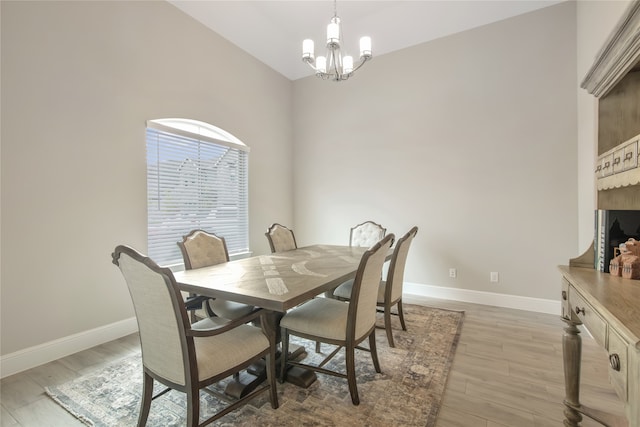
(229, 309)
(219, 353)
(344, 290)
(209, 323)
(320, 317)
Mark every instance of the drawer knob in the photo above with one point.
(564, 295)
(579, 310)
(614, 361)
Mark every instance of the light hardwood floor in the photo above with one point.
(507, 372)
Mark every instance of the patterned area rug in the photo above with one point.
(408, 392)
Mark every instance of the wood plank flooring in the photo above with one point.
(507, 372)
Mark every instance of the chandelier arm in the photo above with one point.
(310, 64)
(360, 64)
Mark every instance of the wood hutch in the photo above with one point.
(609, 306)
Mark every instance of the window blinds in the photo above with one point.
(194, 181)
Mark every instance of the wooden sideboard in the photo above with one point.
(609, 308)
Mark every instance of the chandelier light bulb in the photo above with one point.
(321, 64)
(347, 64)
(365, 47)
(307, 50)
(333, 33)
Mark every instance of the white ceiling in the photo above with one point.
(272, 31)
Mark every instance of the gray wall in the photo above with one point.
(79, 80)
(471, 137)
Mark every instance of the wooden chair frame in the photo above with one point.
(350, 343)
(380, 227)
(195, 302)
(189, 236)
(192, 384)
(270, 232)
(390, 283)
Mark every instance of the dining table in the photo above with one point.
(276, 282)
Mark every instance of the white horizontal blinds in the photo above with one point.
(193, 182)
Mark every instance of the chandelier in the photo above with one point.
(334, 65)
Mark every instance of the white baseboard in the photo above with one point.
(44, 353)
(486, 298)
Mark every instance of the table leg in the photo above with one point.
(256, 373)
(572, 356)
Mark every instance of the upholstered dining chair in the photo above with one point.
(189, 357)
(280, 238)
(202, 249)
(366, 234)
(344, 324)
(390, 290)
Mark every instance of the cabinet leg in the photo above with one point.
(572, 356)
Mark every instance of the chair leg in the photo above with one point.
(193, 408)
(351, 373)
(374, 351)
(387, 324)
(318, 344)
(147, 394)
(401, 315)
(284, 353)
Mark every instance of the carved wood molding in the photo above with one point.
(618, 55)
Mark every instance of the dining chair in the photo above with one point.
(280, 238)
(344, 324)
(366, 234)
(202, 249)
(390, 290)
(189, 357)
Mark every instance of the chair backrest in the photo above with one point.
(160, 314)
(280, 238)
(395, 275)
(202, 249)
(364, 293)
(366, 234)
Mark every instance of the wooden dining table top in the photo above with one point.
(277, 281)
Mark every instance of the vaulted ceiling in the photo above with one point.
(272, 31)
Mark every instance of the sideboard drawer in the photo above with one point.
(589, 317)
(618, 363)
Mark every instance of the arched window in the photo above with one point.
(197, 177)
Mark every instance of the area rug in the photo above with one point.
(408, 392)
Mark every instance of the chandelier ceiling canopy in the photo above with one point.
(335, 65)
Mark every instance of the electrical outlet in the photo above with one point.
(453, 273)
(494, 276)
